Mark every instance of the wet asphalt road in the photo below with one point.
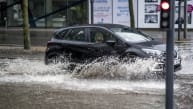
(35, 96)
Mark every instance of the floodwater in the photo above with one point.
(30, 84)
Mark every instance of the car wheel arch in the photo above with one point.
(53, 51)
(134, 52)
(50, 55)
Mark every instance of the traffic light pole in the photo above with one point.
(169, 58)
(185, 19)
(179, 19)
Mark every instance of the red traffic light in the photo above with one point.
(165, 5)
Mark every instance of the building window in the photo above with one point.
(36, 10)
(66, 12)
(14, 13)
(49, 13)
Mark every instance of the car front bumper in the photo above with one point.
(161, 66)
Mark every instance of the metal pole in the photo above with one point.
(179, 19)
(169, 58)
(92, 12)
(185, 19)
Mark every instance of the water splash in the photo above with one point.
(186, 52)
(108, 68)
(109, 75)
(113, 68)
(31, 67)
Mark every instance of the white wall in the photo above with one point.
(147, 13)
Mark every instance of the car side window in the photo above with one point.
(61, 34)
(98, 35)
(76, 34)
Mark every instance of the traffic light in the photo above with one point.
(164, 15)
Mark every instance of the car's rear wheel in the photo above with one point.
(54, 58)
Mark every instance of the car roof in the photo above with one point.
(108, 25)
(97, 25)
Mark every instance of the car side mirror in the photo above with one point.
(111, 42)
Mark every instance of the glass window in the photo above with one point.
(49, 13)
(3, 13)
(77, 34)
(36, 10)
(98, 35)
(66, 12)
(14, 13)
(61, 35)
(132, 37)
(77, 12)
(57, 13)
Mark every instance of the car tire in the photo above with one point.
(53, 57)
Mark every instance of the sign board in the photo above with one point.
(189, 8)
(189, 14)
(121, 12)
(147, 12)
(111, 11)
(102, 11)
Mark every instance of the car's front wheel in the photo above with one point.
(129, 57)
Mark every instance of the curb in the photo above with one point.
(183, 41)
(11, 52)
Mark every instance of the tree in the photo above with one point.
(132, 20)
(27, 44)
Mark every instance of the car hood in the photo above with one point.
(153, 45)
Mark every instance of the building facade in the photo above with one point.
(147, 12)
(47, 15)
(44, 13)
(61, 13)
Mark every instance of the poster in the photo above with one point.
(121, 12)
(112, 11)
(178, 19)
(102, 11)
(148, 14)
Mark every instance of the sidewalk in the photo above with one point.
(36, 52)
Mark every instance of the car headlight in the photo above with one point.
(152, 52)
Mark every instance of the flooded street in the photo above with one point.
(30, 84)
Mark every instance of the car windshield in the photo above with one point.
(132, 37)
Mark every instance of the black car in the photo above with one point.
(87, 42)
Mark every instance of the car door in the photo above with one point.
(76, 43)
(98, 46)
